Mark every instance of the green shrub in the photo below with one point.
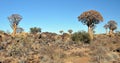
(117, 33)
(81, 36)
(35, 30)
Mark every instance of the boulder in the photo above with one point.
(0, 38)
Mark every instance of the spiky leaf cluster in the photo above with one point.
(90, 18)
(112, 25)
(14, 19)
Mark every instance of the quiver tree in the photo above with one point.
(61, 31)
(90, 18)
(70, 31)
(106, 28)
(14, 20)
(112, 26)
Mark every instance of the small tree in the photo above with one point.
(90, 18)
(35, 30)
(61, 31)
(106, 27)
(70, 31)
(14, 20)
(112, 26)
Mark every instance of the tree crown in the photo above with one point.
(90, 18)
(70, 30)
(61, 31)
(14, 19)
(112, 25)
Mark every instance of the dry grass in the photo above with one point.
(33, 49)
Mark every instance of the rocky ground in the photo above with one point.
(53, 48)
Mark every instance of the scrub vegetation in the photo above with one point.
(36, 46)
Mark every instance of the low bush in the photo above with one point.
(117, 33)
(81, 36)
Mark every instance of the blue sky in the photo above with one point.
(55, 15)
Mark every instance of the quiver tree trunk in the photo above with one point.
(111, 33)
(90, 32)
(14, 30)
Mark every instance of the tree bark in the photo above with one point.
(14, 30)
(111, 33)
(90, 32)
